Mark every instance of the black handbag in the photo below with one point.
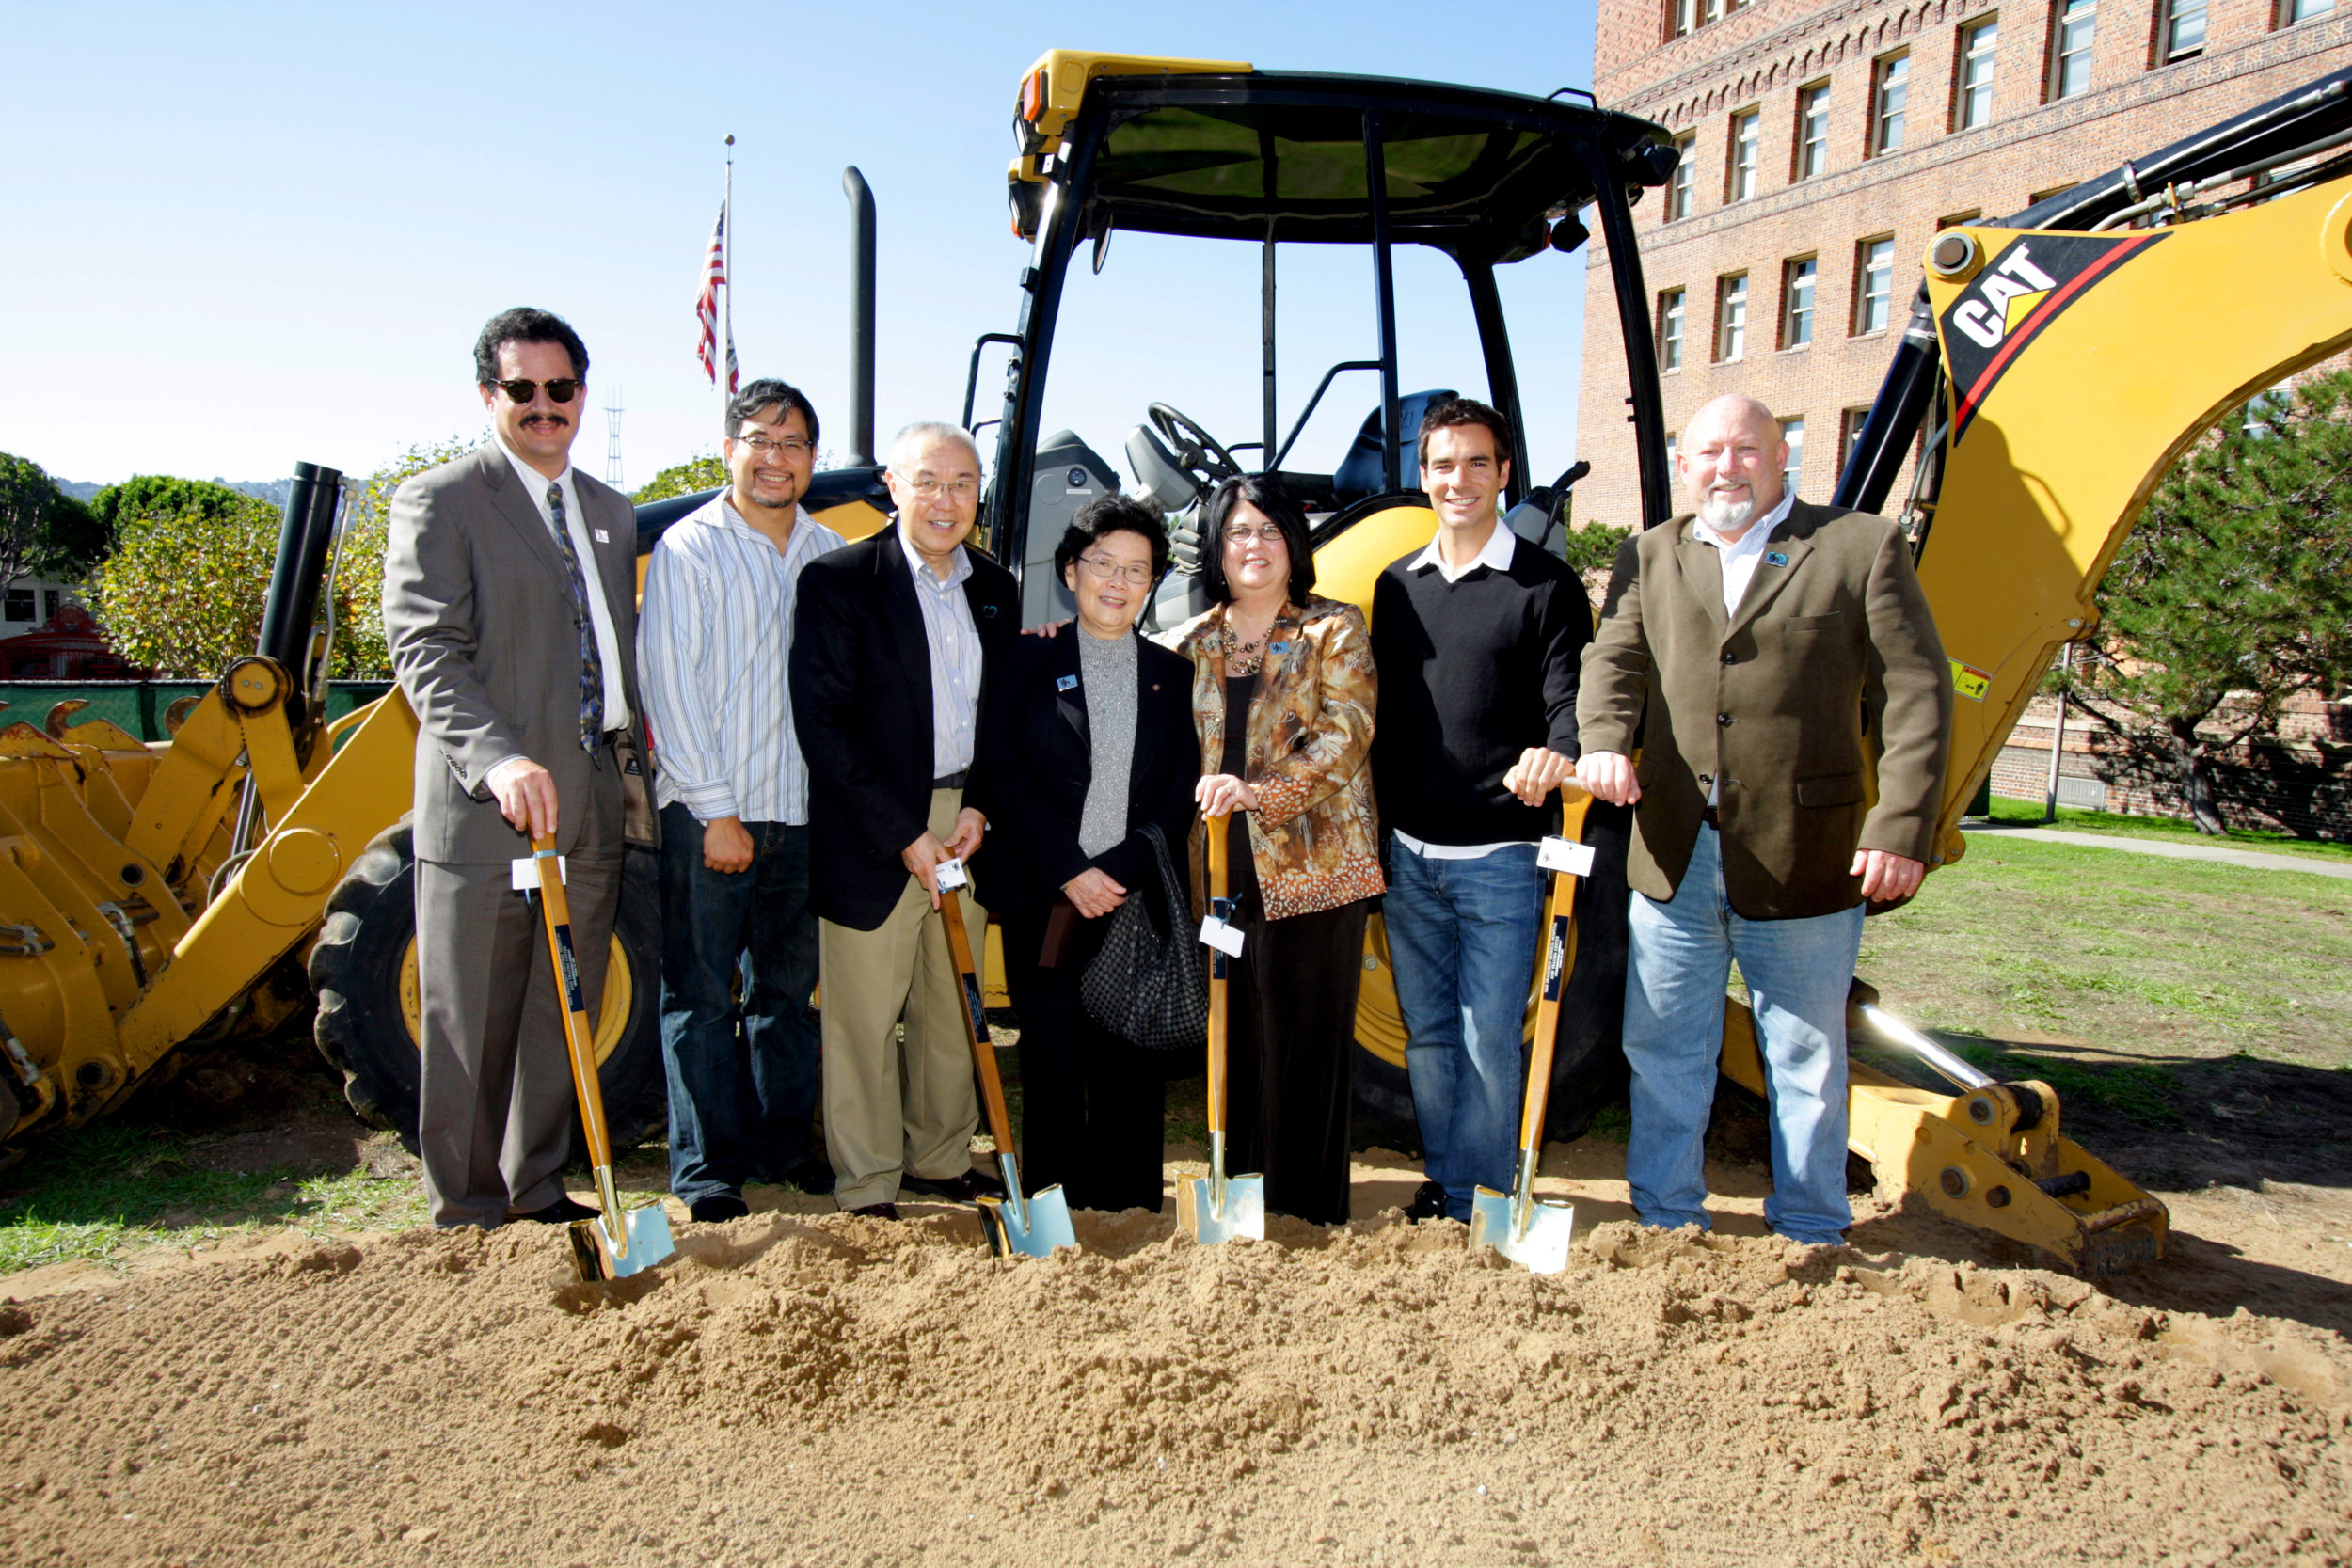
(1148, 984)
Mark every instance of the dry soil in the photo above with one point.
(807, 1387)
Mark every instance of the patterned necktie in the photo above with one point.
(591, 659)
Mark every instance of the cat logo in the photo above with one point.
(2025, 287)
(2003, 297)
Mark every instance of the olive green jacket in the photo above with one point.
(1832, 657)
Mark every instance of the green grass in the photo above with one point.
(100, 1190)
(2134, 954)
(2071, 820)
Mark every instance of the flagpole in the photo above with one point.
(723, 350)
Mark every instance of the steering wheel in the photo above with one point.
(1194, 451)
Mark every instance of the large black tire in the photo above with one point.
(363, 968)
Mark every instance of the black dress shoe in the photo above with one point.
(971, 1186)
(715, 1208)
(1428, 1203)
(812, 1176)
(562, 1212)
(877, 1211)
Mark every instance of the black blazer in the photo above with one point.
(1040, 762)
(860, 675)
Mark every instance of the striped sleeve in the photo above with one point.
(673, 631)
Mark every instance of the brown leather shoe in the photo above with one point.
(877, 1211)
(966, 1188)
(562, 1212)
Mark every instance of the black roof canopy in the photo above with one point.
(1471, 171)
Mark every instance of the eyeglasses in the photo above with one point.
(763, 449)
(931, 489)
(1136, 572)
(561, 390)
(1270, 534)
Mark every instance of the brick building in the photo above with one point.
(1824, 141)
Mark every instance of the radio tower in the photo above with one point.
(613, 442)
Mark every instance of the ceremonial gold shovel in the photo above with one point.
(1217, 1207)
(614, 1245)
(1536, 1235)
(1031, 1225)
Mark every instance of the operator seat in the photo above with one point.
(1359, 473)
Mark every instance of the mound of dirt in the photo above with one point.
(836, 1391)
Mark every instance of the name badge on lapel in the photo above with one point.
(1277, 647)
(1068, 683)
(1776, 557)
(603, 538)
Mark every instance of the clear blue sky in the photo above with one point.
(241, 235)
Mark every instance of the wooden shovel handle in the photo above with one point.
(975, 1020)
(1218, 827)
(1551, 972)
(580, 1036)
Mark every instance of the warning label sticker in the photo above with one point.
(1971, 682)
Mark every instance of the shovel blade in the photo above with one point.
(1044, 1227)
(1244, 1213)
(1542, 1248)
(645, 1231)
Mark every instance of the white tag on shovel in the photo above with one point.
(1560, 854)
(525, 872)
(951, 876)
(1225, 939)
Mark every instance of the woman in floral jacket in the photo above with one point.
(1282, 694)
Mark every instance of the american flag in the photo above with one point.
(706, 306)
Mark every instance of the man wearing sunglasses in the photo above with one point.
(510, 613)
(733, 788)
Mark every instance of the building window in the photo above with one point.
(1812, 131)
(1678, 190)
(1711, 11)
(1681, 24)
(2069, 52)
(1746, 143)
(1874, 284)
(1850, 436)
(2293, 12)
(1731, 317)
(1796, 296)
(1792, 432)
(1889, 94)
(1976, 69)
(2181, 30)
(1974, 215)
(19, 606)
(1670, 307)
(49, 601)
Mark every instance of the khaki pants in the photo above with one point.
(894, 1107)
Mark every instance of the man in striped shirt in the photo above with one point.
(714, 640)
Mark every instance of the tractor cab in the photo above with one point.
(1216, 150)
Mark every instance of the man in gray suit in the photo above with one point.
(509, 606)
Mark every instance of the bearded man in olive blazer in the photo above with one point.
(1754, 655)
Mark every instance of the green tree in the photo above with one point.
(2232, 595)
(706, 472)
(182, 591)
(44, 531)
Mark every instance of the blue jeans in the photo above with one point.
(742, 1075)
(1798, 972)
(1462, 939)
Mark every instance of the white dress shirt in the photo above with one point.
(954, 643)
(714, 640)
(599, 613)
(1495, 554)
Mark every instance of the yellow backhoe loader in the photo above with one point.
(154, 895)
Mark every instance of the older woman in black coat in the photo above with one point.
(1089, 737)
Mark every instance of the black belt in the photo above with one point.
(951, 781)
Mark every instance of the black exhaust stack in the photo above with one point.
(861, 318)
(290, 611)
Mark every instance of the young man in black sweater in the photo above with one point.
(1478, 639)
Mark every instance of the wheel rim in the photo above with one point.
(620, 996)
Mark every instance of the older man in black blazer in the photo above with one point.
(894, 642)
